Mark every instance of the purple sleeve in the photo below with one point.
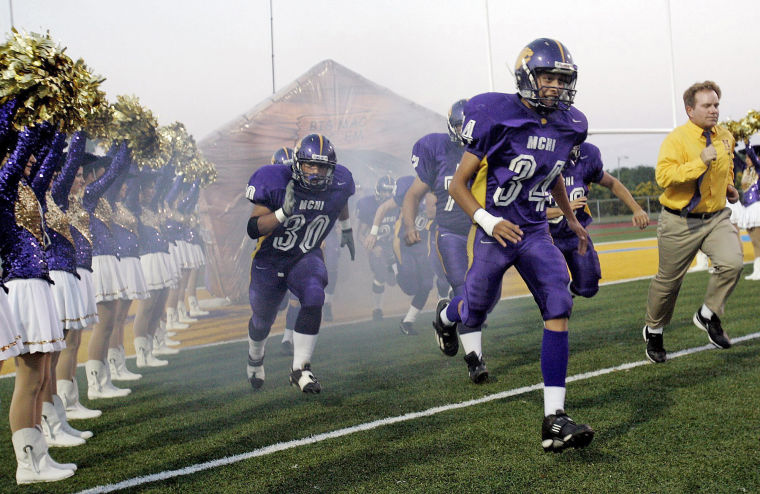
(477, 128)
(423, 163)
(753, 157)
(63, 182)
(50, 164)
(165, 177)
(7, 112)
(171, 196)
(402, 186)
(595, 170)
(259, 190)
(95, 190)
(13, 170)
(187, 204)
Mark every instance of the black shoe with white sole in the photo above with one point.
(655, 350)
(559, 432)
(712, 326)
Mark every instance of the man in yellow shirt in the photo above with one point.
(695, 167)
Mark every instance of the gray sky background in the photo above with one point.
(204, 62)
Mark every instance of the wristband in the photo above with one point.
(345, 224)
(281, 216)
(486, 220)
(373, 230)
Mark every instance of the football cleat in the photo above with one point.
(560, 432)
(445, 336)
(305, 380)
(655, 350)
(287, 347)
(255, 370)
(714, 330)
(477, 368)
(377, 315)
(407, 328)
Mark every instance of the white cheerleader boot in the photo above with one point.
(99, 383)
(701, 262)
(755, 271)
(118, 366)
(172, 321)
(145, 356)
(69, 393)
(182, 313)
(52, 429)
(58, 404)
(195, 308)
(33, 461)
(160, 348)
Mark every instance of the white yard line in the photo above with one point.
(126, 484)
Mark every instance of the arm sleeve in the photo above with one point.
(50, 165)
(119, 165)
(13, 170)
(63, 182)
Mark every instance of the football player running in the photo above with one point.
(517, 146)
(584, 168)
(377, 215)
(435, 158)
(294, 209)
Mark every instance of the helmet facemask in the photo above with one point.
(531, 91)
(313, 181)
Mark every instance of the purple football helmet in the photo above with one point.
(314, 149)
(385, 188)
(456, 119)
(283, 156)
(546, 55)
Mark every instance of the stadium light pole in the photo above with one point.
(619, 158)
(488, 39)
(271, 36)
(10, 7)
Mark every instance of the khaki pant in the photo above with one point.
(678, 240)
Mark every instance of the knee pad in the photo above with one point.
(378, 287)
(308, 319)
(313, 295)
(255, 333)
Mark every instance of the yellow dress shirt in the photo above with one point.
(679, 166)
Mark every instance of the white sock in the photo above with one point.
(287, 335)
(471, 342)
(554, 399)
(411, 314)
(706, 312)
(256, 348)
(654, 330)
(303, 349)
(378, 299)
(444, 319)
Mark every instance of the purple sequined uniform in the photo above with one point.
(435, 159)
(523, 154)
(366, 207)
(752, 194)
(415, 275)
(290, 257)
(21, 224)
(585, 270)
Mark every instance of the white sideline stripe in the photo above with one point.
(274, 448)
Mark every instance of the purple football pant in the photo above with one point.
(539, 263)
(306, 279)
(584, 269)
(381, 265)
(452, 252)
(415, 275)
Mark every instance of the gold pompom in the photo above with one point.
(136, 124)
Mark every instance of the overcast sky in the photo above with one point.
(204, 62)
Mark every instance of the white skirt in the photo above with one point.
(198, 253)
(88, 296)
(106, 279)
(188, 257)
(177, 258)
(36, 317)
(10, 337)
(171, 263)
(751, 216)
(134, 279)
(737, 212)
(156, 271)
(69, 303)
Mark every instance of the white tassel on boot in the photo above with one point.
(701, 262)
(160, 348)
(69, 393)
(144, 352)
(58, 404)
(195, 308)
(118, 366)
(99, 383)
(172, 322)
(52, 429)
(182, 314)
(33, 461)
(755, 271)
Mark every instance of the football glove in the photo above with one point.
(289, 203)
(347, 239)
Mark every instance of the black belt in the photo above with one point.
(685, 214)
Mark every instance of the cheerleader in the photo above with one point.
(125, 229)
(194, 243)
(109, 286)
(33, 313)
(176, 317)
(750, 219)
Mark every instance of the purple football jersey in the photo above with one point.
(366, 208)
(313, 217)
(435, 158)
(578, 176)
(524, 154)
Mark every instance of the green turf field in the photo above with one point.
(684, 426)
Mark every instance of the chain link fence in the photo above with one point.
(615, 211)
